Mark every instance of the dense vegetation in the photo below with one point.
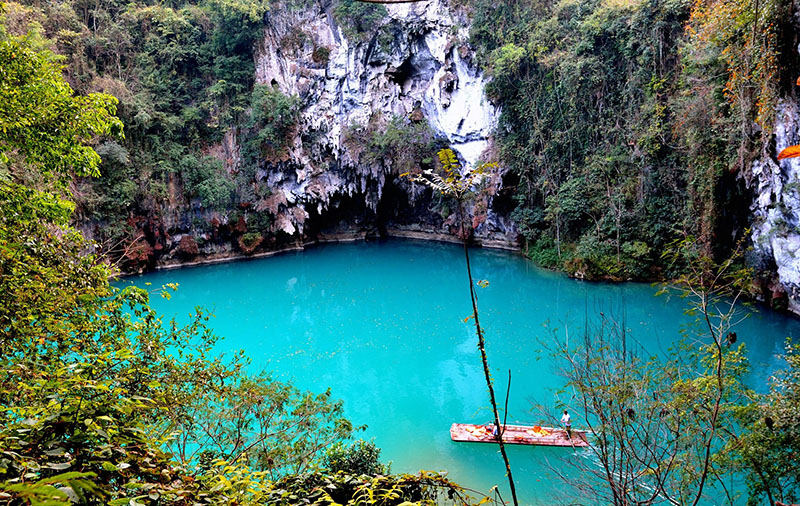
(631, 123)
(102, 401)
(624, 122)
(184, 77)
(627, 124)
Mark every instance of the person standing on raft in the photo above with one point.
(565, 419)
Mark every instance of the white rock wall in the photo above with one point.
(427, 68)
(776, 208)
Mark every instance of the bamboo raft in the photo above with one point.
(519, 435)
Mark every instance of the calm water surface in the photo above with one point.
(381, 324)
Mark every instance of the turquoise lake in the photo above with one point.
(381, 325)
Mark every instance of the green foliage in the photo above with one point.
(34, 241)
(225, 414)
(767, 452)
(52, 491)
(358, 458)
(35, 102)
(107, 385)
(253, 11)
(403, 145)
(699, 274)
(425, 488)
(272, 117)
(358, 19)
(763, 442)
(507, 60)
(183, 74)
(237, 484)
(636, 111)
(85, 410)
(451, 182)
(206, 179)
(574, 80)
(125, 386)
(251, 239)
(73, 423)
(545, 253)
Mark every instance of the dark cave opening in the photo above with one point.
(396, 209)
(344, 214)
(402, 73)
(399, 209)
(734, 214)
(503, 203)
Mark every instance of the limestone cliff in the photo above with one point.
(776, 211)
(417, 67)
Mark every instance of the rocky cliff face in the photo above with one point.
(776, 212)
(418, 65)
(415, 68)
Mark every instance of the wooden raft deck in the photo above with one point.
(518, 434)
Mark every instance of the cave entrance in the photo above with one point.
(503, 203)
(402, 73)
(345, 215)
(396, 210)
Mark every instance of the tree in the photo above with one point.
(767, 450)
(43, 135)
(360, 458)
(96, 388)
(660, 424)
(272, 117)
(44, 128)
(223, 413)
(452, 183)
(92, 382)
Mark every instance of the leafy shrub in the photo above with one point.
(422, 489)
(401, 144)
(272, 116)
(250, 241)
(321, 55)
(358, 19)
(637, 257)
(359, 458)
(544, 252)
(206, 179)
(259, 221)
